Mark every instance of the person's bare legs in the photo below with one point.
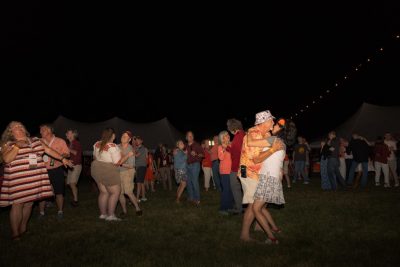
(269, 219)
(143, 190)
(103, 199)
(134, 200)
(180, 190)
(74, 190)
(122, 201)
(114, 192)
(42, 205)
(60, 202)
(287, 180)
(16, 216)
(26, 214)
(248, 219)
(152, 186)
(262, 220)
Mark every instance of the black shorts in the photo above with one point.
(57, 180)
(140, 174)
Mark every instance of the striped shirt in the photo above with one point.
(22, 182)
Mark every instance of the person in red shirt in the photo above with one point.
(206, 163)
(381, 155)
(235, 149)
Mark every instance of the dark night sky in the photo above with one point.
(92, 62)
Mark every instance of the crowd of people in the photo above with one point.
(247, 171)
(347, 162)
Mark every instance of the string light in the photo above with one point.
(357, 68)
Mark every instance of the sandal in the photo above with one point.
(271, 241)
(276, 231)
(16, 238)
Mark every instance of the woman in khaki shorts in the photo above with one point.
(127, 172)
(105, 171)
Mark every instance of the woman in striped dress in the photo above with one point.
(25, 176)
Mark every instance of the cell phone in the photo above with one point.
(243, 171)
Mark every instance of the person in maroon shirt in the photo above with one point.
(235, 127)
(381, 155)
(75, 149)
(195, 156)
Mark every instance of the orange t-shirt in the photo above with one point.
(248, 153)
(61, 147)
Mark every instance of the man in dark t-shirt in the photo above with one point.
(299, 158)
(360, 149)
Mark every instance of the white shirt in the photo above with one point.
(110, 154)
(392, 147)
(273, 164)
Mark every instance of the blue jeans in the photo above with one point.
(193, 171)
(226, 195)
(325, 183)
(216, 176)
(364, 178)
(334, 173)
(299, 168)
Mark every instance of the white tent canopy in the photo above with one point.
(153, 133)
(369, 121)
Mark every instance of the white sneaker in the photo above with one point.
(377, 184)
(103, 217)
(143, 199)
(113, 218)
(306, 182)
(386, 186)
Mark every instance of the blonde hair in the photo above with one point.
(8, 136)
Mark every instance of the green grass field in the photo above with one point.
(350, 228)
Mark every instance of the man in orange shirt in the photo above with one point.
(54, 167)
(263, 125)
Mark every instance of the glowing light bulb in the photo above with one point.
(336, 84)
(381, 49)
(368, 60)
(327, 91)
(320, 96)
